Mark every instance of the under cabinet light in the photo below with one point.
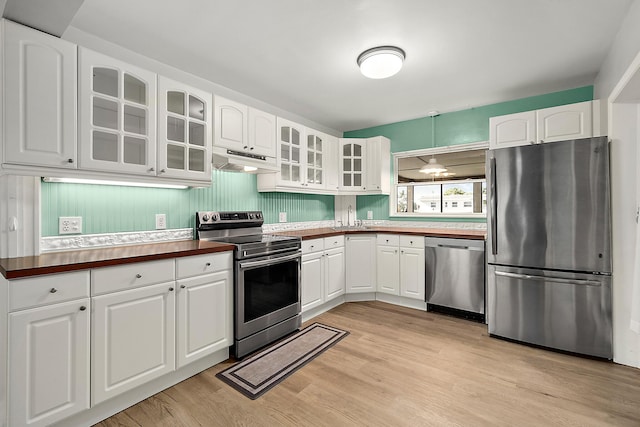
(109, 182)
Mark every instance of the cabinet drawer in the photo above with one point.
(388, 239)
(48, 289)
(129, 276)
(203, 264)
(333, 242)
(412, 241)
(312, 245)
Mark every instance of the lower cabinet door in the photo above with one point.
(204, 318)
(312, 279)
(335, 273)
(48, 363)
(133, 339)
(412, 272)
(388, 270)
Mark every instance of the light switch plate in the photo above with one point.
(70, 225)
(282, 217)
(369, 214)
(161, 221)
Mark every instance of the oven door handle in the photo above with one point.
(271, 261)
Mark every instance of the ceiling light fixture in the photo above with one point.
(381, 62)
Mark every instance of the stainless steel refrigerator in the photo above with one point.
(549, 245)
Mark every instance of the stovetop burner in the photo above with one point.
(243, 229)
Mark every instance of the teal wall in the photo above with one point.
(458, 127)
(110, 209)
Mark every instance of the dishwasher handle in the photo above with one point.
(463, 245)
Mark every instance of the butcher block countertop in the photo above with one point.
(316, 233)
(57, 262)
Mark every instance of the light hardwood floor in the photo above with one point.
(402, 367)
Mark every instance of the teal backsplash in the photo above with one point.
(107, 209)
(111, 209)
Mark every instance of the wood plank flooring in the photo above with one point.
(402, 367)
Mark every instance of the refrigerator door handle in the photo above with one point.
(494, 207)
(549, 279)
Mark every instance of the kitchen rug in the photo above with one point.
(264, 370)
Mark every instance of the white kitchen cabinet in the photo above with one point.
(360, 257)
(40, 98)
(378, 169)
(290, 153)
(572, 121)
(204, 322)
(313, 280)
(352, 164)
(184, 131)
(117, 115)
(331, 164)
(48, 363)
(334, 260)
(323, 271)
(133, 339)
(401, 266)
(244, 129)
(388, 269)
(412, 271)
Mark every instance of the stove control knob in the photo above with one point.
(205, 217)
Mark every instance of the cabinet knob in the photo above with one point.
(170, 289)
(83, 308)
(70, 161)
(364, 188)
(245, 147)
(411, 242)
(53, 290)
(395, 252)
(401, 252)
(532, 142)
(152, 169)
(251, 148)
(541, 141)
(208, 264)
(138, 276)
(163, 170)
(182, 286)
(387, 240)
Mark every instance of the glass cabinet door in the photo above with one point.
(184, 137)
(290, 153)
(315, 159)
(352, 175)
(117, 115)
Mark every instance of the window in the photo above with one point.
(460, 191)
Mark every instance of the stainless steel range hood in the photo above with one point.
(237, 161)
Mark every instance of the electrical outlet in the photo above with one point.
(161, 221)
(70, 225)
(369, 214)
(282, 217)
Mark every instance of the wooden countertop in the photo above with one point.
(315, 233)
(12, 268)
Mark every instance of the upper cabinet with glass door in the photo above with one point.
(352, 164)
(184, 131)
(290, 153)
(117, 113)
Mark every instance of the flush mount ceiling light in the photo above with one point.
(381, 62)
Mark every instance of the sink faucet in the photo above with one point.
(349, 212)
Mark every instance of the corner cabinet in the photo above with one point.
(117, 115)
(572, 121)
(360, 255)
(40, 96)
(184, 131)
(352, 164)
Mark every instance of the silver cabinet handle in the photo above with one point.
(208, 264)
(170, 289)
(548, 279)
(163, 170)
(53, 290)
(83, 308)
(152, 169)
(182, 286)
(70, 161)
(138, 276)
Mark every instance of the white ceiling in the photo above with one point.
(300, 55)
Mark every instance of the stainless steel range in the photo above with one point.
(266, 277)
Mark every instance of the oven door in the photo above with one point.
(267, 291)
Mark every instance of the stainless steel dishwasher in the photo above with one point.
(455, 277)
